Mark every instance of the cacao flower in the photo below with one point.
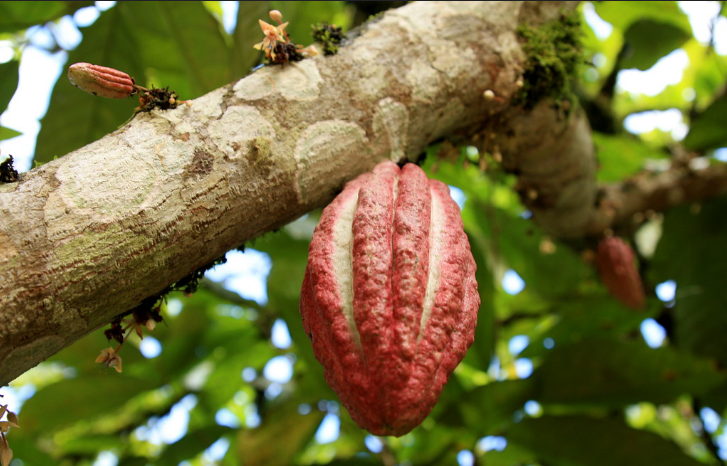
(389, 298)
(101, 81)
(618, 272)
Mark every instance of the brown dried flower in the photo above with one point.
(110, 358)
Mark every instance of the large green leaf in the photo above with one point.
(15, 16)
(91, 444)
(488, 409)
(26, 449)
(76, 118)
(290, 257)
(648, 41)
(624, 14)
(513, 454)
(180, 45)
(225, 379)
(548, 275)
(175, 44)
(192, 444)
(692, 252)
(304, 14)
(8, 82)
(81, 398)
(247, 33)
(707, 129)
(621, 156)
(7, 133)
(614, 374)
(483, 348)
(581, 441)
(596, 315)
(279, 438)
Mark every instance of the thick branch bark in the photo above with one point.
(554, 158)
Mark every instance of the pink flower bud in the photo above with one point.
(101, 81)
(275, 15)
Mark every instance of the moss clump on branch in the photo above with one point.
(329, 35)
(553, 51)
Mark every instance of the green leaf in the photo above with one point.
(72, 400)
(614, 374)
(75, 118)
(133, 461)
(290, 257)
(90, 445)
(304, 14)
(581, 441)
(623, 14)
(247, 33)
(15, 16)
(483, 348)
(8, 81)
(225, 380)
(707, 129)
(649, 41)
(28, 449)
(548, 275)
(692, 252)
(356, 461)
(511, 455)
(180, 45)
(7, 133)
(621, 156)
(174, 44)
(192, 444)
(592, 316)
(282, 434)
(489, 409)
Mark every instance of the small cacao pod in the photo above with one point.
(101, 81)
(618, 272)
(389, 298)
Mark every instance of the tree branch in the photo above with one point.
(90, 235)
(552, 153)
(627, 203)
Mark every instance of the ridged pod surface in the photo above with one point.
(389, 298)
(618, 272)
(101, 81)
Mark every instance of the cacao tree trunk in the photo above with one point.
(88, 236)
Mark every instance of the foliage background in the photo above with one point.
(560, 373)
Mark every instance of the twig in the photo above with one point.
(230, 296)
(676, 186)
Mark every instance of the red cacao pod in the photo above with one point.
(101, 81)
(618, 272)
(389, 298)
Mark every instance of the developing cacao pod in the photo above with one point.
(101, 81)
(618, 272)
(389, 298)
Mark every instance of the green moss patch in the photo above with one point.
(553, 51)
